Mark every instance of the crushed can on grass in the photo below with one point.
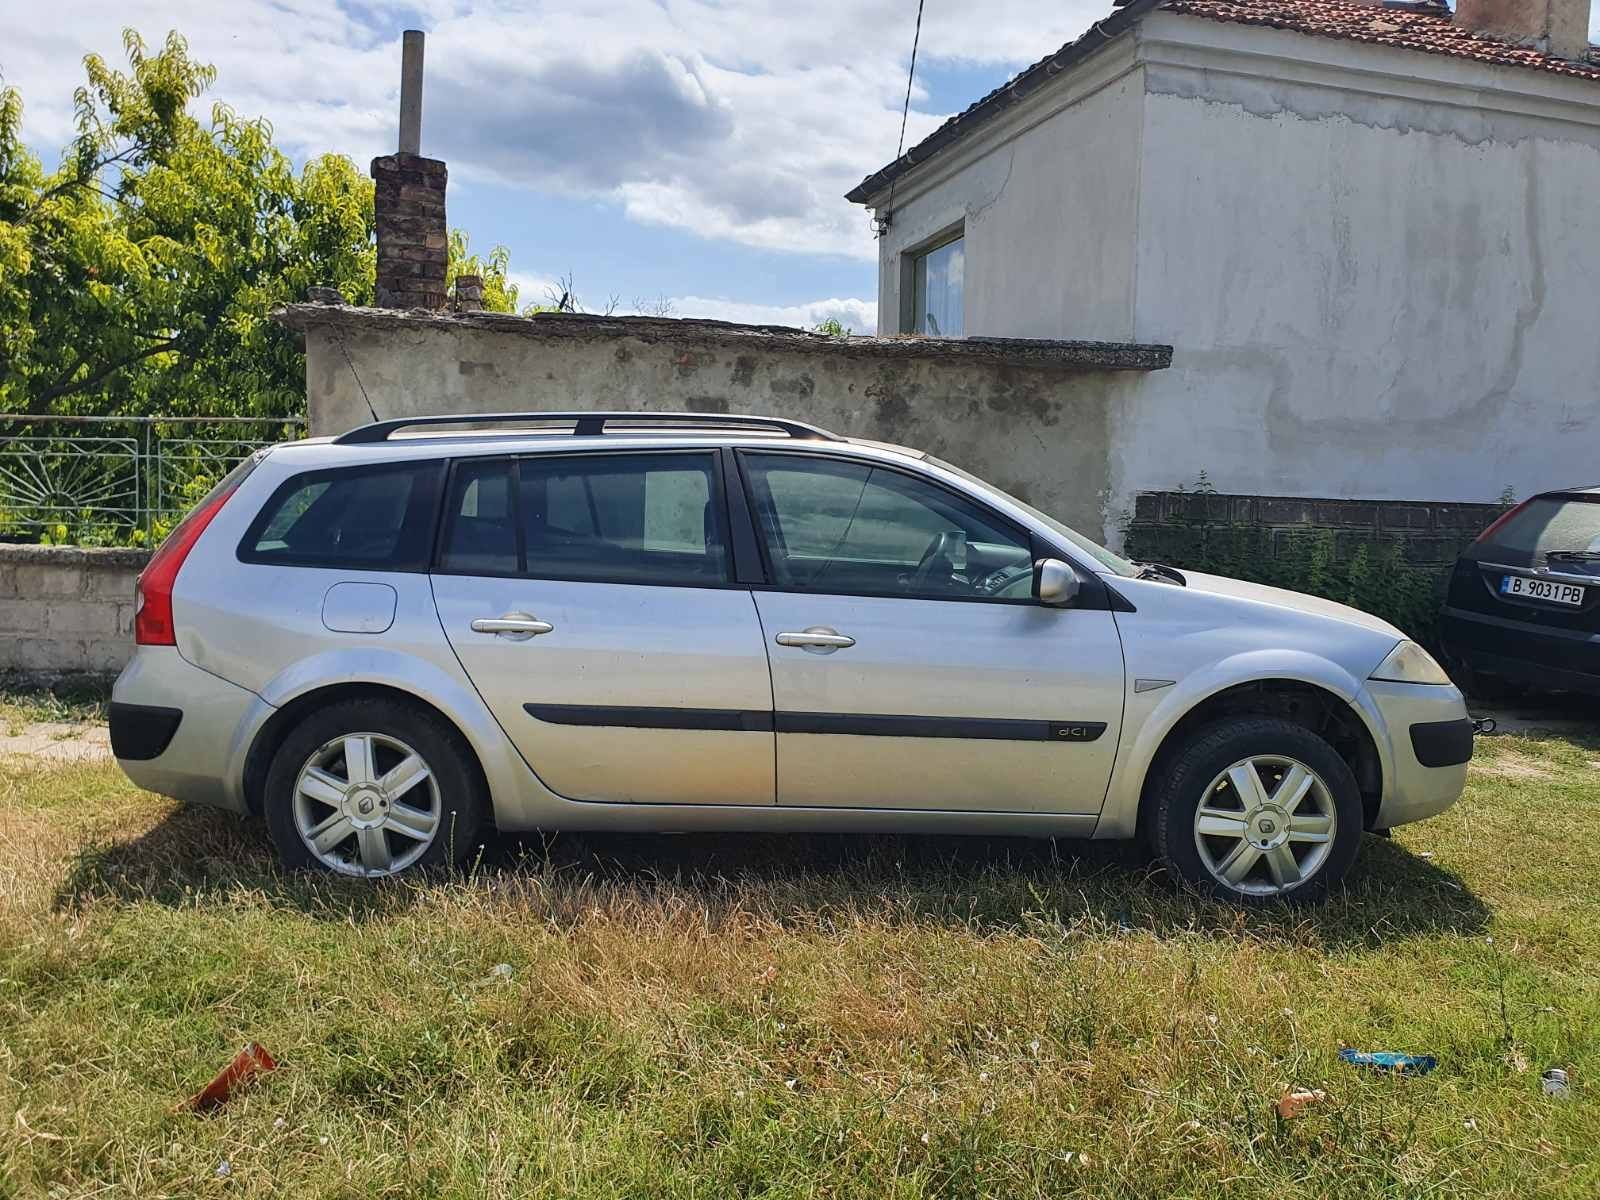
(1554, 1082)
(1390, 1060)
(247, 1065)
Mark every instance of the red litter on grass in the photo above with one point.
(247, 1065)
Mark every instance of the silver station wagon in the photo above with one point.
(385, 641)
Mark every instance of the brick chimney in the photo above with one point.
(1559, 27)
(409, 203)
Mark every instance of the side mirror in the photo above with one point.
(1054, 582)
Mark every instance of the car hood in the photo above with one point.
(1298, 602)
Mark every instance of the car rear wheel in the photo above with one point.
(1257, 810)
(373, 788)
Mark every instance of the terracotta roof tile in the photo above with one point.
(1431, 32)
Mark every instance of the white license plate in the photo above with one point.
(1568, 594)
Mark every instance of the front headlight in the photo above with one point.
(1410, 663)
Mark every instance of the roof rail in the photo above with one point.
(585, 424)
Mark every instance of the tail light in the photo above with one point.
(1488, 534)
(152, 594)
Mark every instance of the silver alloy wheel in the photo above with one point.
(1265, 825)
(366, 804)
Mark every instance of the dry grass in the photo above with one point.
(22, 707)
(722, 1016)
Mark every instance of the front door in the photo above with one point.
(911, 667)
(589, 599)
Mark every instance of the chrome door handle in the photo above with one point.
(515, 627)
(818, 639)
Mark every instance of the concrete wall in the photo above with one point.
(65, 611)
(1047, 197)
(1036, 429)
(1378, 286)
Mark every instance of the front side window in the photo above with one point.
(937, 278)
(366, 518)
(847, 527)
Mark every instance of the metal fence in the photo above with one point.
(117, 480)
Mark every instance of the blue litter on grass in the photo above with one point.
(1389, 1060)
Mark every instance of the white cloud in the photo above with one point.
(745, 122)
(534, 289)
(856, 315)
(859, 316)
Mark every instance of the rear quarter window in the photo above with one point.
(377, 518)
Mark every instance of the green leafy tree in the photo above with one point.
(137, 277)
(499, 293)
(141, 271)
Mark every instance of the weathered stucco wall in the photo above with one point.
(1378, 286)
(1048, 213)
(1032, 420)
(1378, 268)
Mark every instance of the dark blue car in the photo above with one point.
(1523, 610)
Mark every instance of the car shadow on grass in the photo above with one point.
(985, 885)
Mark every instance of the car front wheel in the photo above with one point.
(1259, 809)
(372, 788)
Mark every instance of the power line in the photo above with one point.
(882, 223)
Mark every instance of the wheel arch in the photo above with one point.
(1311, 704)
(277, 727)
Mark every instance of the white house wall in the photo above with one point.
(1378, 286)
(1049, 214)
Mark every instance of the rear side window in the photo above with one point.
(481, 535)
(624, 518)
(365, 518)
(1554, 528)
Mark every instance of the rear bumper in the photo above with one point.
(1430, 742)
(181, 731)
(1539, 657)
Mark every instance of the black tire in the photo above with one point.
(1211, 751)
(461, 799)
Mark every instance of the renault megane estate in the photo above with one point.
(384, 641)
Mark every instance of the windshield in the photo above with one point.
(1114, 563)
(1553, 528)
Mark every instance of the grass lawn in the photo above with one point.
(781, 1016)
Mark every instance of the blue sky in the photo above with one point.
(695, 151)
(609, 254)
(692, 150)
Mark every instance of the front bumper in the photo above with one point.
(1430, 743)
(183, 732)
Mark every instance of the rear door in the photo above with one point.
(1539, 569)
(591, 599)
(911, 667)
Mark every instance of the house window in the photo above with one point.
(936, 290)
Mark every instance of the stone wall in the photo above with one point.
(65, 612)
(1029, 416)
(1429, 535)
